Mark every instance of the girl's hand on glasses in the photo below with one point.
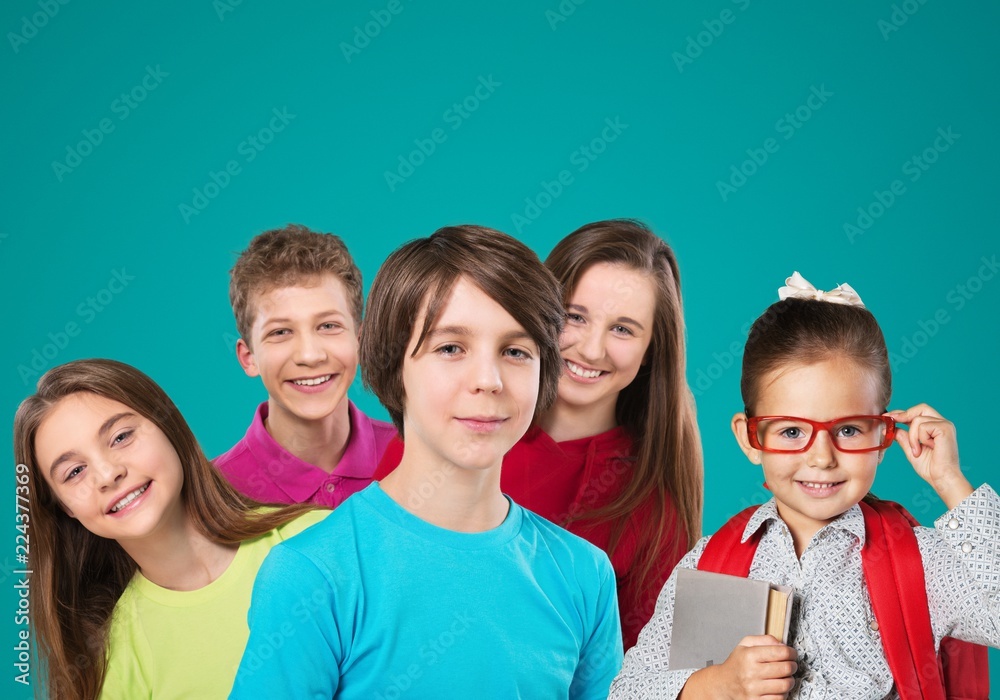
(931, 446)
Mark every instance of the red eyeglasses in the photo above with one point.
(786, 434)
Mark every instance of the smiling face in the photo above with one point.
(110, 468)
(816, 486)
(609, 324)
(304, 347)
(470, 390)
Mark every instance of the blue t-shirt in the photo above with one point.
(376, 603)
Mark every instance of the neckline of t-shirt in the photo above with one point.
(211, 591)
(383, 505)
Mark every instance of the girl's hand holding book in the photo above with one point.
(760, 668)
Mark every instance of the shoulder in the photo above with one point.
(127, 655)
(238, 458)
(126, 640)
(323, 533)
(563, 546)
(301, 523)
(233, 461)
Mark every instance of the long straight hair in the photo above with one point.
(78, 576)
(657, 408)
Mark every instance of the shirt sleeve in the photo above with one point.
(294, 649)
(124, 678)
(601, 655)
(644, 674)
(961, 557)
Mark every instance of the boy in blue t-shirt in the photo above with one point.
(432, 583)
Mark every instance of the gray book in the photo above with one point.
(713, 612)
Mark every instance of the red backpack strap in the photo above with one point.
(725, 553)
(964, 666)
(894, 574)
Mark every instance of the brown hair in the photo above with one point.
(657, 408)
(424, 271)
(77, 576)
(285, 257)
(806, 331)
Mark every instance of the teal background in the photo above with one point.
(556, 79)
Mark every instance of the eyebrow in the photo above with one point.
(321, 314)
(466, 331)
(620, 319)
(105, 428)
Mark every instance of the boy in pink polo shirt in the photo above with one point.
(297, 298)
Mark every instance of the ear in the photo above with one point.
(739, 426)
(245, 357)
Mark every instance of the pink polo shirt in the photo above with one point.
(258, 467)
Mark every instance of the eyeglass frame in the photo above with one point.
(818, 426)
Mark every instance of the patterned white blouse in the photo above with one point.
(839, 648)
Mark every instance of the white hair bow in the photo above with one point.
(797, 287)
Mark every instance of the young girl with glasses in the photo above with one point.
(816, 385)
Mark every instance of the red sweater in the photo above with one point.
(557, 480)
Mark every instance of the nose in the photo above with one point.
(822, 454)
(486, 376)
(108, 473)
(309, 350)
(591, 344)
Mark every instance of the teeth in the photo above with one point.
(129, 498)
(581, 372)
(312, 382)
(817, 485)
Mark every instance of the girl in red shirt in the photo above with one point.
(617, 458)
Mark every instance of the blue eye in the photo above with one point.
(450, 349)
(622, 330)
(518, 353)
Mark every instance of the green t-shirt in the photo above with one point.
(187, 644)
